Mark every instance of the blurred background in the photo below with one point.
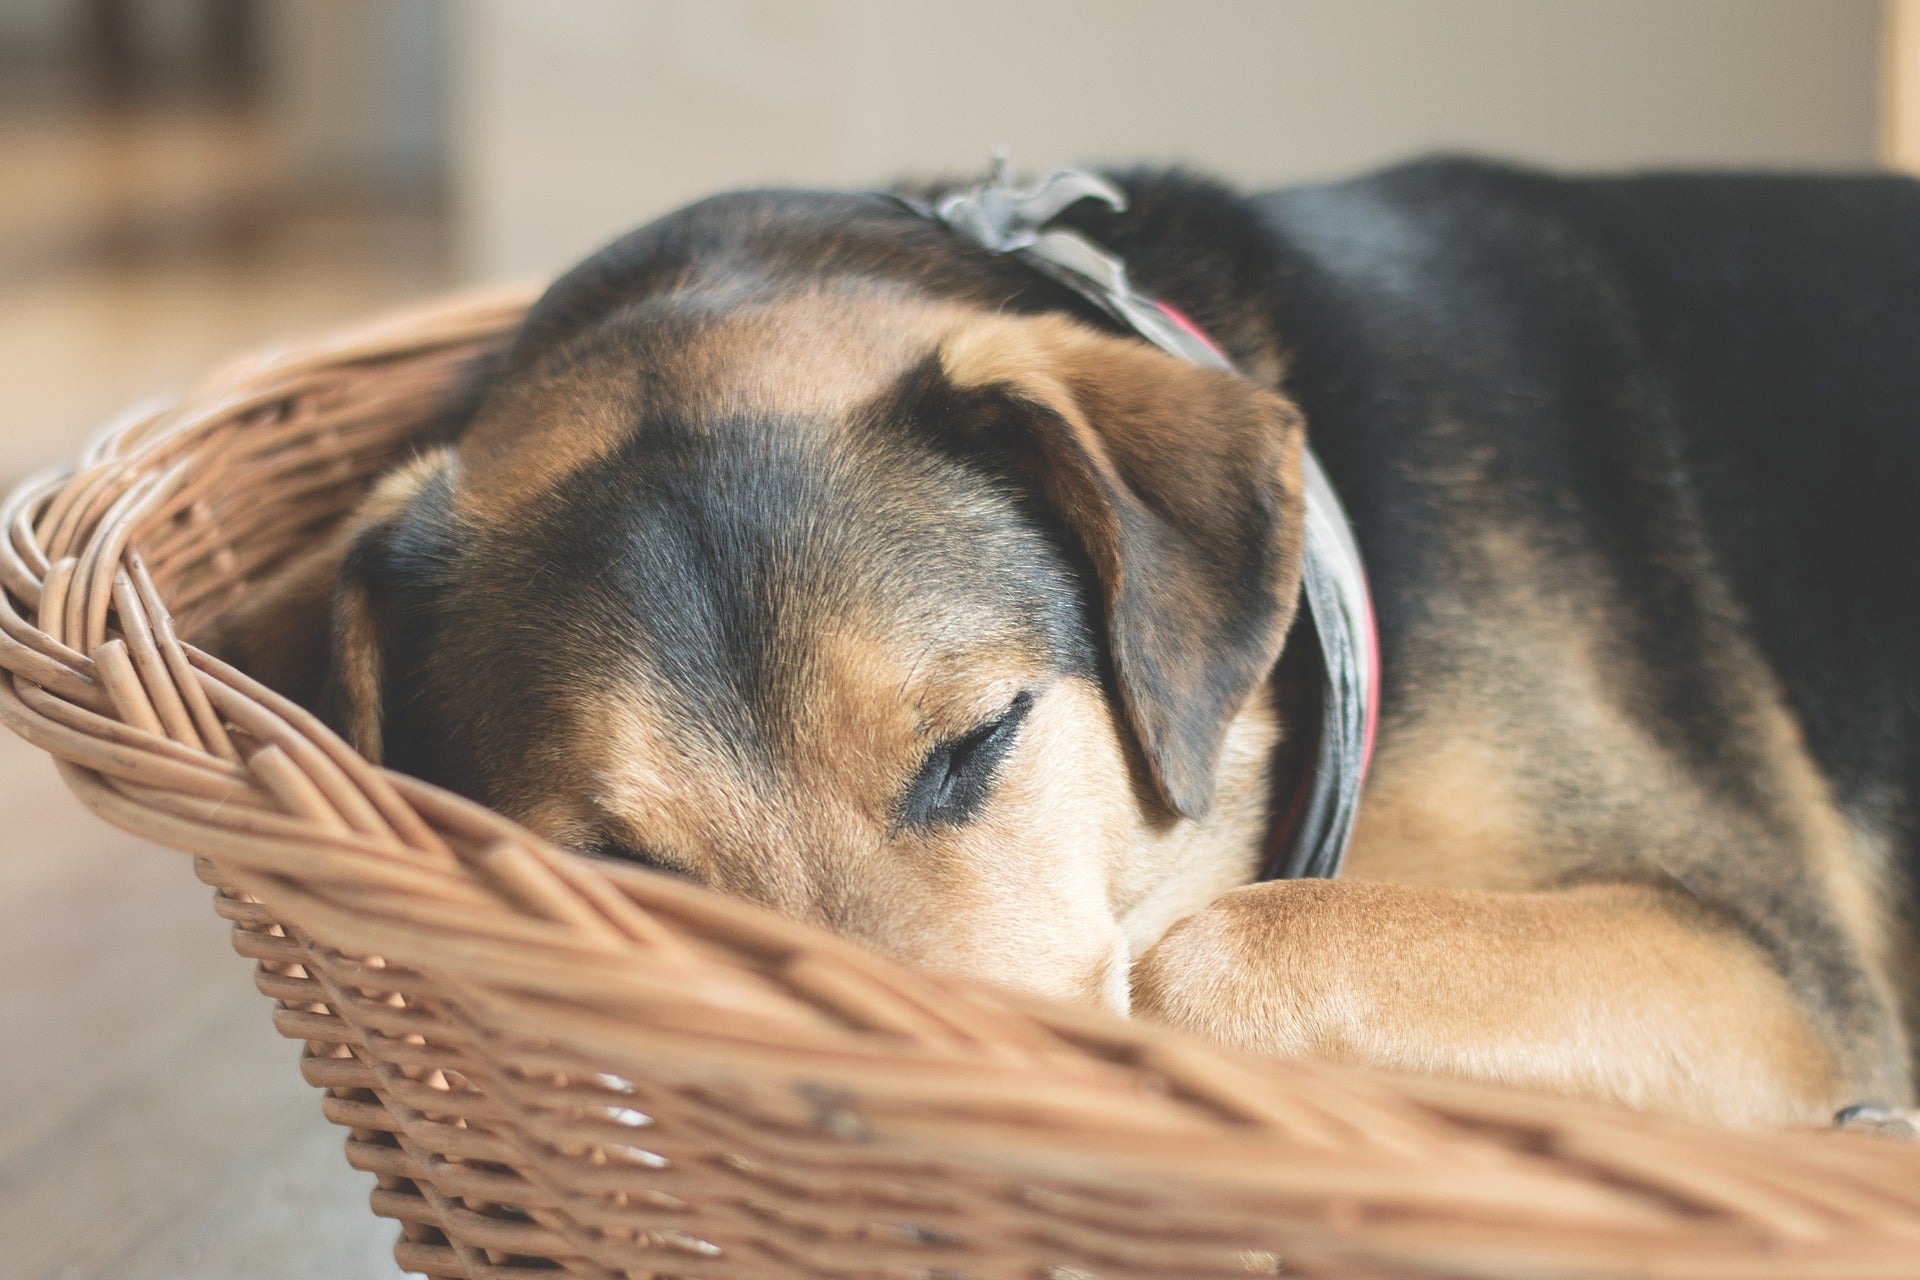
(184, 179)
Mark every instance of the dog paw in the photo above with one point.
(1240, 971)
(1884, 1122)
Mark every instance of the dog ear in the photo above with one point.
(380, 594)
(316, 630)
(278, 633)
(1182, 486)
(353, 701)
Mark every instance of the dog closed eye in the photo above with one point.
(957, 776)
(622, 851)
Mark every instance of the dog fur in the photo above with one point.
(800, 548)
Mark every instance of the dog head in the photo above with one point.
(773, 559)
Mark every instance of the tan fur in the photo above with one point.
(1126, 400)
(1462, 799)
(1066, 878)
(1170, 868)
(1442, 810)
(1613, 992)
(1903, 975)
(773, 356)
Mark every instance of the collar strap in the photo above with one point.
(1311, 837)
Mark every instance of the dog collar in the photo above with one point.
(1311, 836)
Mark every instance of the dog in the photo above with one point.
(803, 548)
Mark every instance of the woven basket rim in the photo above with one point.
(527, 955)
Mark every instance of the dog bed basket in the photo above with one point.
(555, 1066)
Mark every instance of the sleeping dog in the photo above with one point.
(804, 548)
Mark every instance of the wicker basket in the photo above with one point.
(556, 1066)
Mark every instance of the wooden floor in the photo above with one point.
(152, 1124)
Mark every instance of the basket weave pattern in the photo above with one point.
(554, 1066)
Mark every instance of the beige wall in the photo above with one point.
(357, 92)
(573, 121)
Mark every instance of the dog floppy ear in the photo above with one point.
(315, 630)
(278, 633)
(382, 592)
(1182, 486)
(353, 701)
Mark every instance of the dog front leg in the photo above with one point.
(1616, 992)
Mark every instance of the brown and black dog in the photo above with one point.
(802, 548)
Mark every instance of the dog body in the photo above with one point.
(801, 548)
